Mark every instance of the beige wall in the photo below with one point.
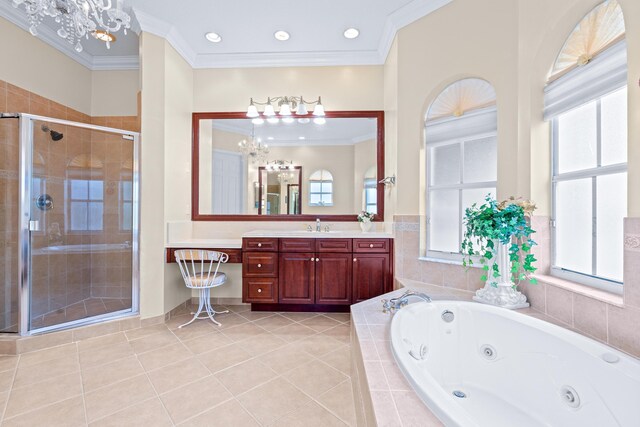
(115, 93)
(167, 103)
(31, 64)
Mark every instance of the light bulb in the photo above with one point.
(269, 111)
(319, 109)
(252, 111)
(285, 109)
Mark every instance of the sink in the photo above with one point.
(315, 234)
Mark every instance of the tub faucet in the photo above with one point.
(318, 227)
(390, 306)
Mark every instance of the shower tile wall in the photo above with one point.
(66, 286)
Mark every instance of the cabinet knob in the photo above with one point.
(259, 245)
(259, 291)
(370, 245)
(317, 259)
(259, 265)
(312, 259)
(355, 259)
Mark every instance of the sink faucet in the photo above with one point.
(390, 306)
(318, 227)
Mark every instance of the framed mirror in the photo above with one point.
(275, 193)
(291, 168)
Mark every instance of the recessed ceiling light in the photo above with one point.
(213, 37)
(351, 33)
(281, 35)
(104, 36)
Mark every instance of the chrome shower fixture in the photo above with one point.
(55, 136)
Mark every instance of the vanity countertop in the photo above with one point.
(342, 234)
(206, 243)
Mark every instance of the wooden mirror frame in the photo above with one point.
(195, 170)
(299, 185)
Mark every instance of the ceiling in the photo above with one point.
(247, 29)
(336, 131)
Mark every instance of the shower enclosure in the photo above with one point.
(68, 223)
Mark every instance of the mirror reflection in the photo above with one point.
(290, 166)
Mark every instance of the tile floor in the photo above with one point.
(272, 369)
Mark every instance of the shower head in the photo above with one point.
(55, 136)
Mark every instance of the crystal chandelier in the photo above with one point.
(78, 18)
(254, 149)
(287, 105)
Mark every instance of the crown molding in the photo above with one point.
(106, 63)
(403, 16)
(160, 28)
(142, 21)
(285, 59)
(49, 36)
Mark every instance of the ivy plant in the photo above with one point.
(505, 222)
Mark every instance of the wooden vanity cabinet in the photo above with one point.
(297, 275)
(309, 274)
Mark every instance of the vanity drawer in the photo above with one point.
(334, 245)
(297, 245)
(260, 290)
(257, 264)
(257, 244)
(371, 245)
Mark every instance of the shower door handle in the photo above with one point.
(34, 225)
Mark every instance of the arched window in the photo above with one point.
(586, 104)
(321, 188)
(462, 167)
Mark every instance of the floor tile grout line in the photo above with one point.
(124, 408)
(327, 392)
(13, 378)
(153, 387)
(84, 402)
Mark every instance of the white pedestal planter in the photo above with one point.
(503, 294)
(365, 226)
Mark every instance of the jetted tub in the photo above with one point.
(490, 366)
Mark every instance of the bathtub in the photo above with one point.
(78, 249)
(494, 367)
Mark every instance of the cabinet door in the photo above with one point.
(297, 274)
(333, 278)
(370, 275)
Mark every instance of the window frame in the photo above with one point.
(321, 193)
(69, 201)
(461, 186)
(591, 280)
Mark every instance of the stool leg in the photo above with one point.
(201, 305)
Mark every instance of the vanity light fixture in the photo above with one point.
(281, 35)
(351, 33)
(287, 105)
(213, 37)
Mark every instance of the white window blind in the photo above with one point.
(606, 73)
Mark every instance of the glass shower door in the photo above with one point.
(9, 211)
(83, 224)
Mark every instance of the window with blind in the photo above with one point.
(586, 104)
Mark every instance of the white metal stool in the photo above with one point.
(198, 272)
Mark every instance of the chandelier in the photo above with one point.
(78, 18)
(254, 149)
(287, 105)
